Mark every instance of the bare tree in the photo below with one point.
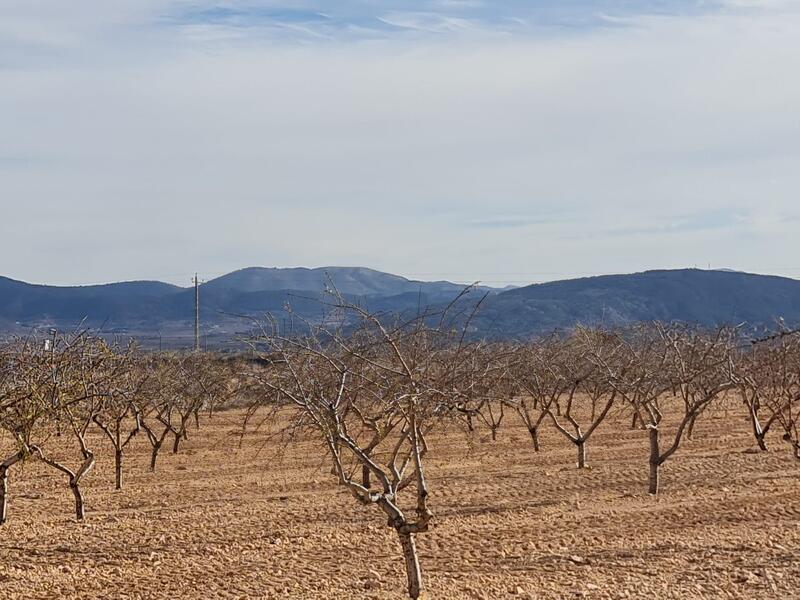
(482, 394)
(778, 385)
(537, 384)
(118, 415)
(156, 406)
(83, 369)
(371, 392)
(765, 381)
(590, 395)
(697, 368)
(203, 381)
(23, 408)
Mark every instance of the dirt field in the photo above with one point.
(218, 522)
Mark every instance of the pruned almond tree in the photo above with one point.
(590, 396)
(23, 409)
(766, 381)
(177, 389)
(46, 391)
(118, 415)
(538, 382)
(779, 385)
(84, 373)
(370, 392)
(789, 418)
(684, 370)
(204, 382)
(156, 403)
(482, 394)
(189, 371)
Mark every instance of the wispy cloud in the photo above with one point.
(355, 18)
(677, 225)
(52, 32)
(503, 222)
(586, 136)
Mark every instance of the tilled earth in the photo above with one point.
(220, 521)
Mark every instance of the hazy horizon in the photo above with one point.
(208, 277)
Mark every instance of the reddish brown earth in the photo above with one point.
(219, 522)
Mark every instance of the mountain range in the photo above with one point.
(147, 309)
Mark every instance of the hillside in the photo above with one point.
(357, 281)
(690, 295)
(153, 306)
(128, 301)
(146, 307)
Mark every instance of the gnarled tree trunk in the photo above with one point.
(118, 468)
(655, 459)
(413, 569)
(154, 455)
(80, 510)
(758, 431)
(74, 476)
(4, 467)
(581, 453)
(365, 477)
(534, 431)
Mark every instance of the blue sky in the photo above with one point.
(500, 141)
(353, 19)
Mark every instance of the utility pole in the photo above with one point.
(56, 401)
(196, 313)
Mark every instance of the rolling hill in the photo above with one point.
(691, 295)
(146, 306)
(138, 308)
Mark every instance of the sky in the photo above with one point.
(501, 141)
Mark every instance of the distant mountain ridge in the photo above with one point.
(708, 298)
(25, 301)
(348, 280)
(142, 307)
(153, 306)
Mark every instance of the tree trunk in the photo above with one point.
(413, 570)
(690, 430)
(758, 432)
(655, 460)
(470, 425)
(177, 443)
(3, 494)
(4, 467)
(335, 451)
(154, 456)
(635, 420)
(494, 433)
(653, 478)
(365, 479)
(534, 431)
(80, 511)
(118, 468)
(582, 454)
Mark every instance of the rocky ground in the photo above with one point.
(217, 521)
